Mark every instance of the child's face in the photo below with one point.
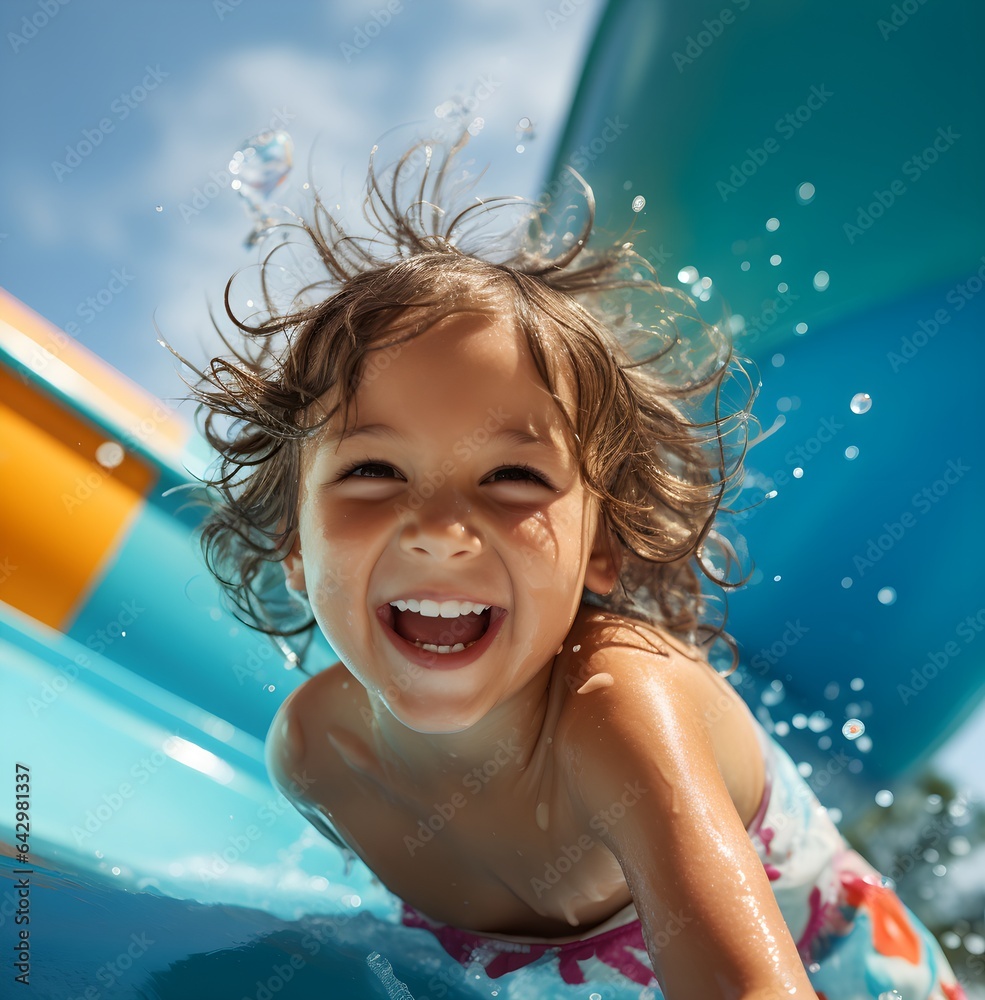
(426, 498)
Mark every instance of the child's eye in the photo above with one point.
(369, 470)
(518, 474)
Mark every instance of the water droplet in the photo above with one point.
(688, 275)
(778, 360)
(805, 193)
(846, 582)
(857, 684)
(851, 453)
(814, 967)
(800, 329)
(959, 846)
(884, 798)
(158, 208)
(770, 495)
(574, 649)
(950, 940)
(115, 870)
(261, 163)
(594, 996)
(772, 225)
(864, 743)
(519, 147)
(974, 943)
(832, 690)
(798, 473)
(939, 870)
(818, 722)
(861, 403)
(821, 281)
(744, 266)
(853, 729)
(799, 721)
(779, 576)
(805, 769)
(886, 595)
(639, 203)
(109, 454)
(781, 728)
(824, 743)
(890, 995)
(776, 260)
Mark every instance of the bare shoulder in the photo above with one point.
(632, 691)
(297, 738)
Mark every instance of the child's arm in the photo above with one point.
(710, 919)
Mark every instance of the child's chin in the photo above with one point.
(430, 723)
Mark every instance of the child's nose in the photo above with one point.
(447, 533)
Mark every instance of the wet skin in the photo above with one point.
(462, 778)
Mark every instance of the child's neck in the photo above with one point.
(509, 735)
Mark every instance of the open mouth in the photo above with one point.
(440, 627)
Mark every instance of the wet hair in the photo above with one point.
(644, 402)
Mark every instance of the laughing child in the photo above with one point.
(493, 488)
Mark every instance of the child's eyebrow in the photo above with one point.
(516, 435)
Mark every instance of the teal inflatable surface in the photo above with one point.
(821, 164)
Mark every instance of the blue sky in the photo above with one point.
(112, 109)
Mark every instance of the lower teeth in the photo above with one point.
(432, 648)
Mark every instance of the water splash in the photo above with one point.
(258, 167)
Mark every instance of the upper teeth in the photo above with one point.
(444, 609)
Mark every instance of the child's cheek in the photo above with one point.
(537, 548)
